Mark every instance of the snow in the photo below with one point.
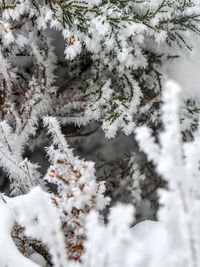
(10, 255)
(37, 258)
(153, 235)
(120, 45)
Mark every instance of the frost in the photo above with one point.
(177, 165)
(21, 41)
(66, 68)
(73, 49)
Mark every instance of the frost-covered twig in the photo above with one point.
(177, 163)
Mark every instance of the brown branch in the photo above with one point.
(3, 27)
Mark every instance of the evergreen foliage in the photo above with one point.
(86, 63)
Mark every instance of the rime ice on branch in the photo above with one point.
(109, 72)
(78, 191)
(178, 163)
(114, 52)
